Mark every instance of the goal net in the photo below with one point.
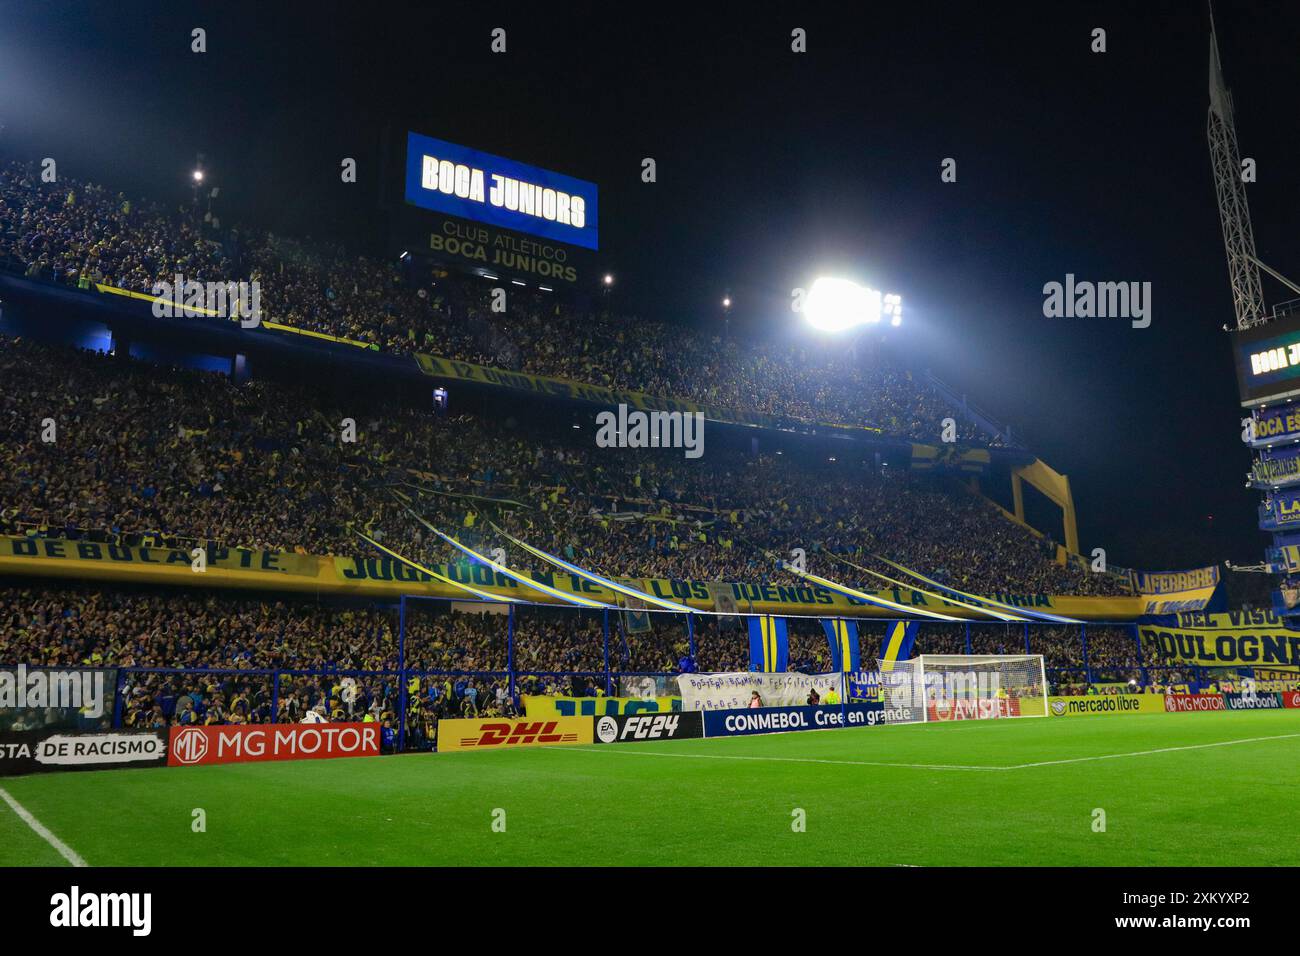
(963, 687)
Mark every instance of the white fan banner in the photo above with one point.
(734, 691)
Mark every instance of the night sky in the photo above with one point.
(773, 168)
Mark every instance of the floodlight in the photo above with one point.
(892, 305)
(834, 305)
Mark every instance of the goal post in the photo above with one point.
(963, 687)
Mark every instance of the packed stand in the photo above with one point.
(262, 466)
(83, 234)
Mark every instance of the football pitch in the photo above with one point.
(1171, 790)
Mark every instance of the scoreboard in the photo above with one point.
(1267, 358)
(480, 187)
(478, 213)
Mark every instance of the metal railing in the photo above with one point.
(408, 701)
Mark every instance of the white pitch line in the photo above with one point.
(850, 763)
(923, 766)
(1143, 753)
(65, 851)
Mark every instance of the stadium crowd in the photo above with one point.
(190, 657)
(116, 450)
(83, 234)
(262, 466)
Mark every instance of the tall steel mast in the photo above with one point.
(1234, 210)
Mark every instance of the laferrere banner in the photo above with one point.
(1172, 592)
(479, 186)
(499, 734)
(194, 746)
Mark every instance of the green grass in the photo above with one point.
(661, 804)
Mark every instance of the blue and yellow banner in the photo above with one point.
(863, 686)
(898, 642)
(769, 645)
(1277, 467)
(1176, 592)
(1280, 511)
(846, 651)
(1277, 424)
(380, 574)
(1234, 639)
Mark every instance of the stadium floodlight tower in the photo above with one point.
(1234, 210)
(1265, 345)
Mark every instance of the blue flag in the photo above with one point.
(846, 651)
(769, 646)
(898, 642)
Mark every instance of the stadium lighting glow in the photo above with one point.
(836, 305)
